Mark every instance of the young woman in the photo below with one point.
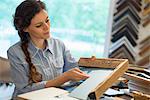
(38, 60)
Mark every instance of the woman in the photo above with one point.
(38, 60)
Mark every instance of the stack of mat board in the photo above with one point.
(139, 80)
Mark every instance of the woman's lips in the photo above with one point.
(46, 33)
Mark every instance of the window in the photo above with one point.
(80, 24)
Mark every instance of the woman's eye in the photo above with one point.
(47, 20)
(38, 26)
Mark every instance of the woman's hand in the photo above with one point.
(75, 74)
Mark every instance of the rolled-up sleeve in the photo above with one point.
(20, 75)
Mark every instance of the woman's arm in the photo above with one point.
(69, 61)
(74, 74)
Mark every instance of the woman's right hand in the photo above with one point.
(75, 74)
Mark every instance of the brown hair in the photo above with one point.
(22, 19)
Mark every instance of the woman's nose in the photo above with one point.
(46, 26)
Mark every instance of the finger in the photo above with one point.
(77, 69)
(82, 75)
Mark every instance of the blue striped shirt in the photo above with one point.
(50, 62)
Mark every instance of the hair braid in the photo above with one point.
(34, 76)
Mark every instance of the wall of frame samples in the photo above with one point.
(129, 31)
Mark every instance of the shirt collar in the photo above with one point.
(34, 50)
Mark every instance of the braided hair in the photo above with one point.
(22, 19)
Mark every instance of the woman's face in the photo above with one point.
(39, 27)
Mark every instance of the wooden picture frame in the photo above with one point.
(119, 66)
